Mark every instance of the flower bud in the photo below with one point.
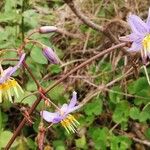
(50, 55)
(47, 29)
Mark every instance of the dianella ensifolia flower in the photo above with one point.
(63, 115)
(9, 86)
(50, 55)
(140, 36)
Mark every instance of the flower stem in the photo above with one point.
(146, 73)
(35, 104)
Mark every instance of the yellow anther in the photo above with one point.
(69, 123)
(9, 88)
(146, 43)
(8, 84)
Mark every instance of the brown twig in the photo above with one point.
(90, 23)
(19, 128)
(72, 35)
(85, 63)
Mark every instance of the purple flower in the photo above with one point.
(6, 74)
(47, 29)
(50, 55)
(8, 86)
(63, 115)
(140, 36)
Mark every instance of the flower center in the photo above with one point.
(70, 123)
(146, 43)
(9, 88)
(8, 84)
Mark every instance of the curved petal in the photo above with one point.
(135, 47)
(21, 60)
(9, 71)
(64, 108)
(73, 100)
(50, 55)
(48, 116)
(73, 109)
(148, 19)
(133, 37)
(137, 25)
(19, 63)
(6, 74)
(125, 38)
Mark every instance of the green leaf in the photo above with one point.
(37, 56)
(55, 69)
(140, 84)
(81, 142)
(94, 108)
(59, 145)
(31, 144)
(147, 133)
(120, 143)
(56, 94)
(121, 112)
(28, 100)
(9, 5)
(9, 17)
(30, 18)
(134, 113)
(31, 86)
(5, 135)
(114, 96)
(3, 119)
(99, 137)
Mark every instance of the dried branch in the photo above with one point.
(22, 123)
(90, 23)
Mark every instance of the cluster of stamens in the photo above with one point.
(146, 47)
(70, 123)
(9, 88)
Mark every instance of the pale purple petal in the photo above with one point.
(125, 38)
(133, 37)
(21, 60)
(73, 109)
(50, 117)
(135, 47)
(73, 100)
(148, 19)
(50, 55)
(9, 71)
(137, 25)
(64, 108)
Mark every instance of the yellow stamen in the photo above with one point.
(146, 45)
(8, 84)
(70, 123)
(8, 89)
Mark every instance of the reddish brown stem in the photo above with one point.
(30, 72)
(19, 128)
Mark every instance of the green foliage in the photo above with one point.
(37, 56)
(81, 142)
(99, 136)
(5, 135)
(108, 115)
(121, 112)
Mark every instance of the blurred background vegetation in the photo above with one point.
(116, 118)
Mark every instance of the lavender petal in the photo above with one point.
(148, 19)
(137, 25)
(50, 55)
(73, 100)
(135, 47)
(48, 116)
